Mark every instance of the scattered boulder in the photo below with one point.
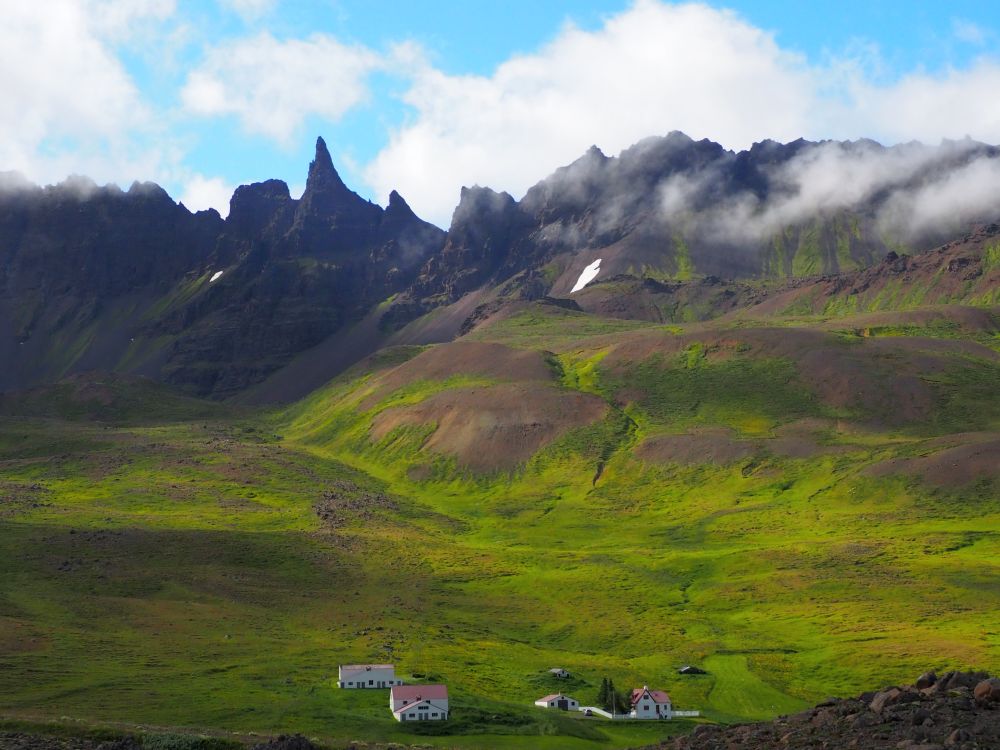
(958, 737)
(892, 696)
(126, 743)
(287, 742)
(925, 680)
(987, 692)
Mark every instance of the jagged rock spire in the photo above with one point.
(398, 205)
(323, 178)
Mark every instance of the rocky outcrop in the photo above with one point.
(958, 710)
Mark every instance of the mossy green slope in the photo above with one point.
(213, 572)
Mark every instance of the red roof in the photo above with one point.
(658, 696)
(411, 693)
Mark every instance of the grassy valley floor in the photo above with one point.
(800, 526)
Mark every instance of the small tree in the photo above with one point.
(611, 699)
(602, 694)
(623, 702)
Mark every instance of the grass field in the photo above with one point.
(209, 569)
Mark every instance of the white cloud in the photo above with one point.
(69, 104)
(918, 189)
(922, 106)
(249, 10)
(121, 19)
(272, 86)
(969, 32)
(202, 192)
(654, 68)
(649, 70)
(953, 199)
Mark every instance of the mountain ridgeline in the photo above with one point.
(98, 278)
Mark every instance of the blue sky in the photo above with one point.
(425, 96)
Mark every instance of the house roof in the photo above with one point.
(365, 667)
(412, 693)
(555, 696)
(658, 696)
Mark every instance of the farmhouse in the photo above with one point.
(559, 672)
(367, 676)
(650, 704)
(419, 702)
(560, 701)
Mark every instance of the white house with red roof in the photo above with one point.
(560, 701)
(650, 704)
(367, 676)
(419, 702)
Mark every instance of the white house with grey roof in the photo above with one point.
(368, 676)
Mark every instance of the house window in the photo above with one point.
(371, 682)
(645, 708)
(434, 716)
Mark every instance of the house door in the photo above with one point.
(563, 704)
(422, 717)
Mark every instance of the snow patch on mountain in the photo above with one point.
(588, 275)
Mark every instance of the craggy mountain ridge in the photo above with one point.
(674, 208)
(97, 278)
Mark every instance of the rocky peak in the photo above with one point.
(330, 217)
(253, 207)
(398, 206)
(323, 178)
(148, 191)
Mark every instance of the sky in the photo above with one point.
(425, 96)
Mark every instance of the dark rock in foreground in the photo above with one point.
(287, 742)
(957, 710)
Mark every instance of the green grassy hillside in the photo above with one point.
(803, 509)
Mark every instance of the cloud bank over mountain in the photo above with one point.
(653, 68)
(75, 105)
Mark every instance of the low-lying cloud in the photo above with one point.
(909, 191)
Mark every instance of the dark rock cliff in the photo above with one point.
(99, 278)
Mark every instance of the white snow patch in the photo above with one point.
(588, 275)
(215, 275)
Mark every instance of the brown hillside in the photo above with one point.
(949, 462)
(463, 358)
(494, 428)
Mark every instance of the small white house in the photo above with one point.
(560, 701)
(559, 672)
(650, 704)
(419, 702)
(367, 676)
